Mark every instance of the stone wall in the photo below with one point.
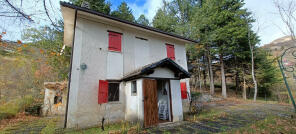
(55, 98)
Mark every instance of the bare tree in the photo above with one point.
(287, 12)
(16, 15)
(13, 11)
(252, 60)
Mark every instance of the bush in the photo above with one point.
(11, 108)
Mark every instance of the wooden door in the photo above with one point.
(150, 102)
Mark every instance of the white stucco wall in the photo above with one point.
(176, 100)
(90, 48)
(114, 65)
(131, 104)
(140, 100)
(162, 73)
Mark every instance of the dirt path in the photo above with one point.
(235, 116)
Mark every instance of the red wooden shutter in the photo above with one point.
(114, 41)
(170, 51)
(183, 90)
(103, 92)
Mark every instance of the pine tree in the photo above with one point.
(143, 20)
(97, 5)
(163, 21)
(221, 27)
(123, 12)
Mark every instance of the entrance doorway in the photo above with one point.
(157, 102)
(163, 101)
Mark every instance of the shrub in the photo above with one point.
(11, 108)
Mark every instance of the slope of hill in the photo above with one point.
(278, 46)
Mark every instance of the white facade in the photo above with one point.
(91, 49)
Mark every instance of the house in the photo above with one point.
(123, 71)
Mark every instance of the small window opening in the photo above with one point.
(57, 99)
(134, 88)
(113, 92)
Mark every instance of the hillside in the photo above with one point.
(278, 46)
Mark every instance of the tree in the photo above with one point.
(219, 25)
(267, 72)
(123, 12)
(9, 9)
(97, 5)
(50, 42)
(252, 62)
(287, 11)
(143, 20)
(163, 21)
(175, 16)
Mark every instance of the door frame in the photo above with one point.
(170, 96)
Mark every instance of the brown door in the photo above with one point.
(150, 102)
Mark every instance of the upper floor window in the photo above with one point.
(170, 51)
(114, 41)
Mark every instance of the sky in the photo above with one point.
(268, 20)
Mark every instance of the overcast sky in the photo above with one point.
(268, 20)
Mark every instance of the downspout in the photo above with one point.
(72, 53)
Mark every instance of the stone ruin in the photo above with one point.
(55, 98)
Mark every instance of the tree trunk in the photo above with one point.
(253, 76)
(223, 81)
(212, 87)
(199, 78)
(244, 88)
(253, 68)
(249, 92)
(196, 81)
(236, 76)
(205, 74)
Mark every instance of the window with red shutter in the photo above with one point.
(170, 51)
(103, 92)
(183, 90)
(114, 41)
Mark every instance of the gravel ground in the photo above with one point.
(237, 116)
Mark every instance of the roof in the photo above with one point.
(69, 5)
(149, 69)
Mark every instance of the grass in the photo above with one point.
(204, 115)
(11, 108)
(271, 124)
(117, 128)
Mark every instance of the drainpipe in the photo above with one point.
(67, 105)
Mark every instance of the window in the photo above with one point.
(134, 88)
(114, 41)
(113, 92)
(170, 51)
(183, 90)
(57, 99)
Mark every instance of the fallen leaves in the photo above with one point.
(21, 117)
(19, 42)
(41, 51)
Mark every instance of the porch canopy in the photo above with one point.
(179, 72)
